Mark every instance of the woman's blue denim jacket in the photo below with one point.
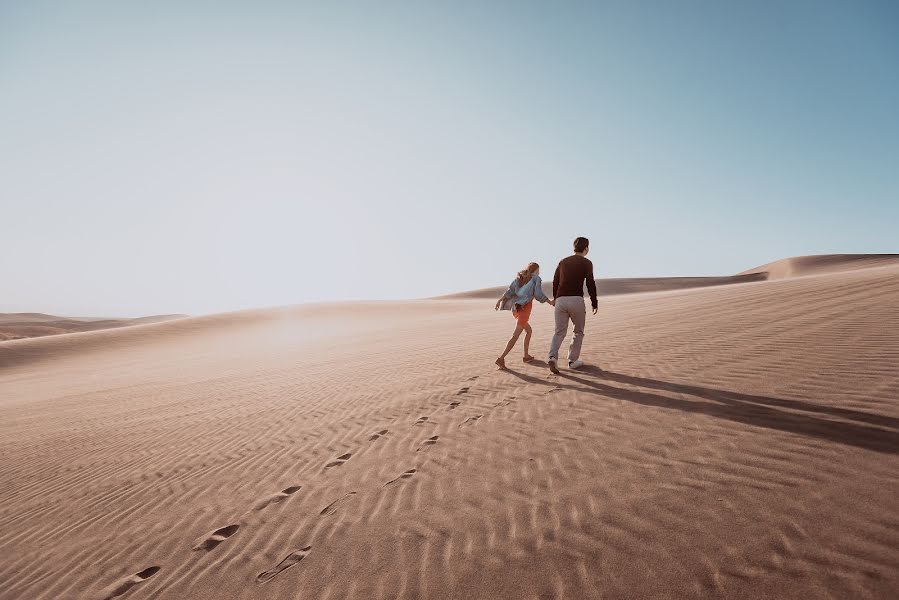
(523, 294)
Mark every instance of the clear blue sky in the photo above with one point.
(207, 156)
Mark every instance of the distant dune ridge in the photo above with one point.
(24, 325)
(788, 267)
(726, 441)
(801, 266)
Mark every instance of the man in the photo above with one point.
(568, 292)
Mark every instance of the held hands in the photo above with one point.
(551, 302)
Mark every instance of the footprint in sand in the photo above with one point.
(462, 391)
(470, 421)
(289, 561)
(339, 460)
(379, 434)
(132, 581)
(275, 498)
(408, 474)
(426, 445)
(502, 403)
(473, 378)
(332, 508)
(215, 538)
(423, 420)
(454, 404)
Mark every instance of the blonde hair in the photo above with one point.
(525, 274)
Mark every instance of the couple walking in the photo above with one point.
(568, 300)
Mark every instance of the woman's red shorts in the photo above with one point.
(524, 314)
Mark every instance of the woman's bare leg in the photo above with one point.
(501, 360)
(527, 342)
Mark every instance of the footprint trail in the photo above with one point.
(132, 581)
(332, 508)
(339, 460)
(276, 498)
(408, 474)
(289, 561)
(426, 445)
(216, 537)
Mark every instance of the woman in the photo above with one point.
(520, 299)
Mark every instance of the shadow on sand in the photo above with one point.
(760, 411)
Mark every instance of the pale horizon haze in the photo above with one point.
(196, 158)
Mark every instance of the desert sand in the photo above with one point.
(739, 440)
(15, 326)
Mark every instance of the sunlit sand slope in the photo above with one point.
(739, 441)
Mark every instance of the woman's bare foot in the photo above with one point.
(527, 358)
(501, 363)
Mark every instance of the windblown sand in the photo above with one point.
(740, 441)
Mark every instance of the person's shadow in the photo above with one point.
(857, 428)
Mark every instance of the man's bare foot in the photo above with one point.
(500, 363)
(527, 358)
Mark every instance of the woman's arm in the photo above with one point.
(500, 302)
(509, 293)
(538, 289)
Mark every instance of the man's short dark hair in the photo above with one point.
(581, 244)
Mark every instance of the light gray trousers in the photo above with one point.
(569, 308)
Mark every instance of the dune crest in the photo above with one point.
(822, 264)
(14, 326)
(781, 269)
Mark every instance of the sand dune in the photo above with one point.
(801, 266)
(739, 441)
(788, 267)
(25, 325)
(627, 285)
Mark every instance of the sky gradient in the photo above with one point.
(165, 158)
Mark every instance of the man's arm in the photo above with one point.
(591, 286)
(556, 281)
